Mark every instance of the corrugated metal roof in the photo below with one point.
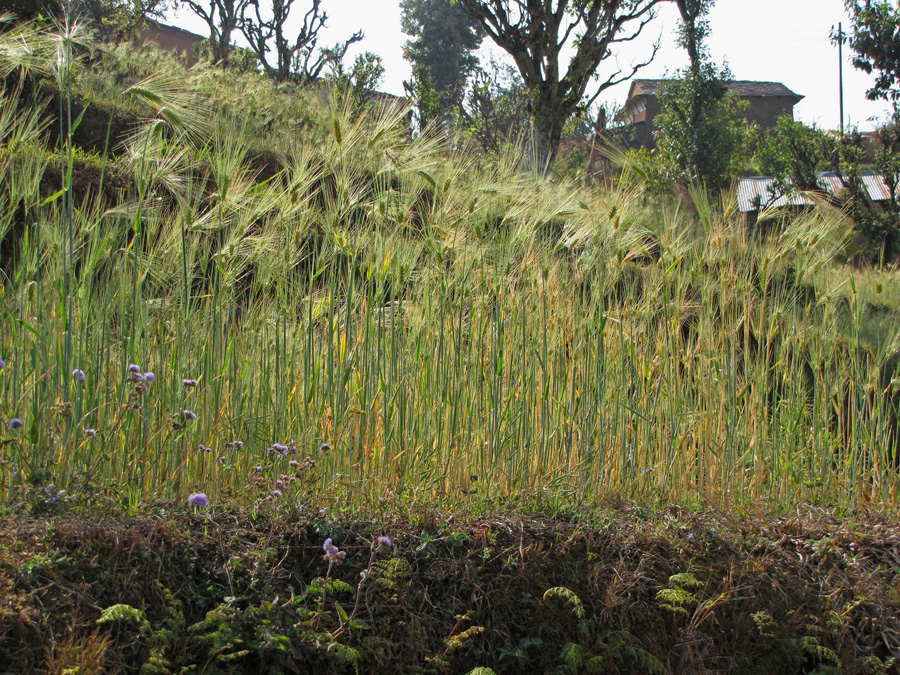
(740, 87)
(873, 180)
(759, 192)
(878, 189)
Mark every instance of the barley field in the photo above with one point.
(209, 284)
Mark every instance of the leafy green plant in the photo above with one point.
(594, 652)
(677, 595)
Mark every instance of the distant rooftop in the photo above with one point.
(759, 192)
(176, 30)
(740, 87)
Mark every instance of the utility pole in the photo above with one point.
(841, 71)
(839, 38)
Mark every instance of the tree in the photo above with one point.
(876, 41)
(694, 30)
(26, 10)
(115, 20)
(363, 79)
(294, 58)
(222, 17)
(441, 52)
(493, 112)
(692, 34)
(792, 153)
(537, 34)
(699, 128)
(711, 146)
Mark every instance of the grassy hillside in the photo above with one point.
(335, 310)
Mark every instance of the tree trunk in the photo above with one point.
(546, 134)
(223, 49)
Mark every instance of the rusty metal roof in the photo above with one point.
(759, 192)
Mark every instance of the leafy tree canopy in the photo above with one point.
(444, 39)
(711, 145)
(700, 131)
(876, 41)
(26, 10)
(362, 81)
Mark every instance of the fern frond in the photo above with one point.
(569, 596)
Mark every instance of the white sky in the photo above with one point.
(774, 40)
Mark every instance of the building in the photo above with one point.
(768, 101)
(173, 39)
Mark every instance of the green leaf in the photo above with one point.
(52, 198)
(27, 326)
(123, 612)
(569, 596)
(77, 122)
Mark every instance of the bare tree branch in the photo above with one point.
(298, 58)
(222, 17)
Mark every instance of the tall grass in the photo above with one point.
(449, 324)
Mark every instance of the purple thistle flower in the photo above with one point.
(90, 432)
(280, 447)
(197, 500)
(294, 462)
(277, 493)
(79, 375)
(332, 553)
(324, 447)
(279, 483)
(2, 363)
(259, 468)
(189, 383)
(134, 368)
(384, 540)
(149, 377)
(15, 423)
(189, 415)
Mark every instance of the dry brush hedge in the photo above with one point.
(626, 590)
